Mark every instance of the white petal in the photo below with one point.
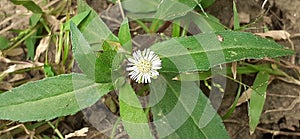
(143, 57)
(131, 60)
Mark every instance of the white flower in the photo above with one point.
(143, 66)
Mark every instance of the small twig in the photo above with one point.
(276, 132)
(285, 64)
(121, 9)
(264, 3)
(50, 4)
(293, 57)
(120, 135)
(14, 127)
(56, 130)
(290, 80)
(290, 107)
(110, 19)
(295, 35)
(12, 25)
(277, 95)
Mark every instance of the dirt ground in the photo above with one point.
(281, 114)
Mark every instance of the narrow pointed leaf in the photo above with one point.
(50, 98)
(94, 30)
(236, 20)
(82, 51)
(257, 99)
(103, 66)
(77, 19)
(211, 49)
(124, 36)
(4, 43)
(140, 6)
(29, 4)
(171, 9)
(133, 117)
(185, 112)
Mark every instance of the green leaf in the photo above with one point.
(50, 98)
(35, 18)
(183, 111)
(243, 69)
(140, 6)
(30, 5)
(83, 53)
(171, 9)
(176, 28)
(83, 6)
(124, 36)
(4, 43)
(30, 45)
(207, 3)
(76, 19)
(93, 28)
(257, 99)
(158, 9)
(205, 23)
(207, 50)
(133, 117)
(48, 71)
(236, 20)
(103, 71)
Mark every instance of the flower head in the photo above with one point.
(143, 66)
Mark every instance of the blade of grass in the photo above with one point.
(233, 106)
(143, 25)
(125, 36)
(30, 5)
(236, 24)
(33, 30)
(185, 29)
(60, 45)
(66, 47)
(257, 99)
(176, 28)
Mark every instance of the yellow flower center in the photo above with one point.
(144, 66)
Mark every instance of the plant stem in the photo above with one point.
(23, 39)
(176, 28)
(154, 25)
(232, 108)
(60, 43)
(143, 25)
(55, 130)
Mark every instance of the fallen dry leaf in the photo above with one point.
(17, 77)
(244, 97)
(275, 34)
(20, 66)
(54, 23)
(42, 47)
(233, 69)
(78, 133)
(5, 85)
(15, 52)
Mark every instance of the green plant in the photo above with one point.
(185, 60)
